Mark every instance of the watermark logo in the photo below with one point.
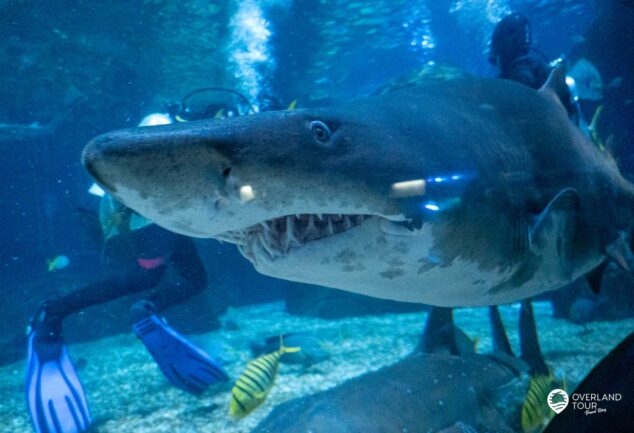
(558, 400)
(589, 403)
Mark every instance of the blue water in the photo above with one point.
(93, 69)
(74, 69)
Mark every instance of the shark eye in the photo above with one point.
(321, 132)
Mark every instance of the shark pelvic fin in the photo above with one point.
(620, 253)
(595, 276)
(554, 228)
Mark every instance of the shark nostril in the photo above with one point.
(226, 172)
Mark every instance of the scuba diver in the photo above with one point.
(195, 106)
(511, 51)
(143, 252)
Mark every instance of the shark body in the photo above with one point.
(461, 193)
(462, 387)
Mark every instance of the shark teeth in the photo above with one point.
(346, 222)
(278, 236)
(291, 239)
(266, 245)
(397, 229)
(311, 223)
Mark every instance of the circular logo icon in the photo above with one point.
(558, 400)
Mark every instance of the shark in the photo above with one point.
(13, 134)
(439, 385)
(467, 192)
(419, 394)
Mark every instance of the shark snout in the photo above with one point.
(93, 160)
(208, 178)
(171, 177)
(198, 179)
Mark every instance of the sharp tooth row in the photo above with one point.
(278, 236)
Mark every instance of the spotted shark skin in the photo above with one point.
(511, 199)
(422, 393)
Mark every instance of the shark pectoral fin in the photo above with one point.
(595, 276)
(553, 232)
(620, 253)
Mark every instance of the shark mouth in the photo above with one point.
(276, 237)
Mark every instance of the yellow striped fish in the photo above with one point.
(255, 383)
(535, 412)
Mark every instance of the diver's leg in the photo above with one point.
(189, 266)
(531, 352)
(498, 332)
(55, 396)
(134, 281)
(185, 365)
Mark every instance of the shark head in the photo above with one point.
(307, 195)
(430, 195)
(212, 178)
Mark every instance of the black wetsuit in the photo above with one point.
(142, 259)
(530, 69)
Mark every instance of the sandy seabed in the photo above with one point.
(127, 393)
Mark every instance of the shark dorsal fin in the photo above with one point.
(439, 334)
(556, 88)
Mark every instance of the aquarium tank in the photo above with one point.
(324, 216)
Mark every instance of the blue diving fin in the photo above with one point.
(184, 364)
(54, 394)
